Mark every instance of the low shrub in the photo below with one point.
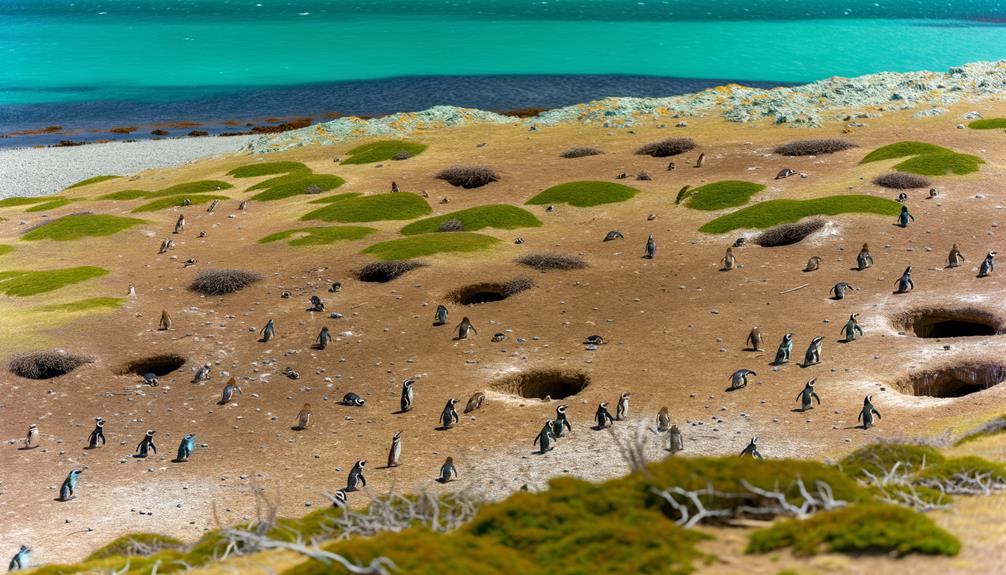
(788, 234)
(814, 147)
(901, 181)
(941, 163)
(136, 544)
(223, 281)
(580, 153)
(902, 150)
(666, 148)
(550, 261)
(382, 272)
(46, 364)
(879, 458)
(468, 177)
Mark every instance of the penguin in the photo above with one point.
(449, 416)
(356, 476)
(702, 160)
(602, 417)
(440, 318)
(291, 372)
(180, 224)
(622, 407)
(544, 438)
(338, 499)
(988, 265)
(561, 422)
(498, 337)
(69, 485)
(396, 449)
(324, 338)
(31, 438)
(394, 187)
(203, 373)
(464, 327)
(729, 260)
(613, 235)
(335, 287)
(131, 292)
(867, 413)
(21, 559)
(839, 290)
(739, 379)
(905, 283)
(754, 339)
(185, 447)
(150, 379)
(864, 259)
(475, 401)
(813, 264)
(785, 348)
(752, 449)
(904, 217)
(593, 340)
(166, 245)
(243, 206)
(213, 206)
(407, 395)
(447, 471)
(955, 259)
(663, 420)
(807, 395)
(97, 433)
(303, 418)
(165, 321)
(353, 400)
(147, 443)
(228, 392)
(268, 332)
(675, 441)
(852, 328)
(316, 304)
(651, 248)
(785, 173)
(813, 355)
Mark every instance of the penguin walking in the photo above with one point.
(561, 422)
(739, 379)
(448, 471)
(21, 559)
(97, 433)
(165, 324)
(356, 476)
(852, 328)
(185, 448)
(145, 445)
(752, 449)
(396, 449)
(675, 442)
(807, 396)
(202, 374)
(813, 355)
(228, 393)
(465, 327)
(316, 304)
(867, 413)
(904, 217)
(268, 332)
(729, 260)
(651, 247)
(988, 265)
(839, 290)
(785, 349)
(406, 402)
(31, 438)
(180, 224)
(956, 258)
(754, 339)
(324, 338)
(663, 420)
(864, 259)
(544, 438)
(603, 417)
(440, 318)
(69, 486)
(905, 283)
(303, 418)
(449, 416)
(622, 407)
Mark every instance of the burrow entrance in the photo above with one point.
(159, 365)
(938, 323)
(543, 384)
(954, 381)
(490, 292)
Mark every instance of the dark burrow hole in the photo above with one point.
(490, 291)
(948, 323)
(383, 272)
(159, 365)
(543, 384)
(956, 381)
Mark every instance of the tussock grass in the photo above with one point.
(69, 228)
(294, 184)
(85, 305)
(90, 181)
(177, 202)
(901, 181)
(318, 236)
(429, 244)
(468, 177)
(775, 212)
(223, 281)
(498, 216)
(28, 283)
(379, 207)
(584, 194)
(382, 272)
(383, 150)
(814, 147)
(988, 124)
(550, 261)
(666, 148)
(788, 234)
(580, 153)
(268, 169)
(902, 150)
(724, 194)
(46, 364)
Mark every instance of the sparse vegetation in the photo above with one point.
(992, 427)
(814, 147)
(90, 181)
(584, 194)
(319, 236)
(683, 193)
(268, 169)
(940, 164)
(498, 216)
(451, 225)
(54, 204)
(666, 148)
(16, 201)
(988, 124)
(383, 150)
(187, 188)
(381, 272)
(295, 184)
(223, 281)
(878, 458)
(85, 305)
(6, 249)
(580, 153)
(468, 177)
(788, 234)
(177, 202)
(550, 261)
(775, 212)
(901, 181)
(429, 244)
(75, 227)
(336, 198)
(28, 283)
(46, 364)
(379, 207)
(902, 150)
(720, 195)
(136, 544)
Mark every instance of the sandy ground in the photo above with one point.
(675, 328)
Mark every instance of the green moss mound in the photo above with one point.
(584, 194)
(720, 195)
(429, 244)
(941, 163)
(136, 544)
(58, 203)
(500, 216)
(70, 228)
(383, 150)
(28, 283)
(268, 169)
(187, 188)
(16, 201)
(90, 181)
(319, 236)
(879, 458)
(988, 124)
(89, 304)
(858, 529)
(335, 198)
(902, 150)
(5, 249)
(177, 202)
(294, 184)
(775, 212)
(126, 195)
(379, 207)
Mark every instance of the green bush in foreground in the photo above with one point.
(774, 212)
(941, 163)
(136, 544)
(720, 195)
(500, 216)
(879, 458)
(70, 228)
(429, 244)
(93, 180)
(383, 150)
(294, 184)
(988, 124)
(177, 202)
(268, 169)
(858, 529)
(902, 150)
(319, 236)
(85, 304)
(27, 283)
(400, 206)
(584, 194)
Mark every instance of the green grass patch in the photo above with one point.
(177, 201)
(429, 244)
(59, 203)
(90, 181)
(500, 216)
(382, 150)
(197, 187)
(126, 195)
(335, 198)
(948, 470)
(6, 249)
(294, 185)
(988, 124)
(584, 194)
(774, 212)
(319, 236)
(85, 304)
(70, 228)
(268, 169)
(720, 195)
(379, 207)
(941, 163)
(27, 283)
(858, 529)
(902, 150)
(16, 201)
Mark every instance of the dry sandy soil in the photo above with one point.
(675, 328)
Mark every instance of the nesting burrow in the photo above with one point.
(947, 322)
(159, 365)
(543, 384)
(383, 272)
(788, 234)
(490, 292)
(953, 381)
(46, 364)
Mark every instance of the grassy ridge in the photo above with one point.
(16, 201)
(500, 216)
(319, 236)
(90, 181)
(902, 150)
(294, 184)
(197, 187)
(70, 228)
(988, 124)
(379, 207)
(28, 283)
(58, 203)
(268, 169)
(177, 202)
(720, 195)
(382, 150)
(925, 159)
(774, 212)
(85, 304)
(584, 194)
(429, 244)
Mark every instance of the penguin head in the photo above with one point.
(150, 432)
(398, 435)
(788, 336)
(853, 316)
(626, 395)
(868, 399)
(450, 460)
(32, 426)
(307, 407)
(754, 440)
(361, 463)
(604, 405)
(866, 247)
(560, 409)
(407, 383)
(812, 382)
(452, 401)
(991, 254)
